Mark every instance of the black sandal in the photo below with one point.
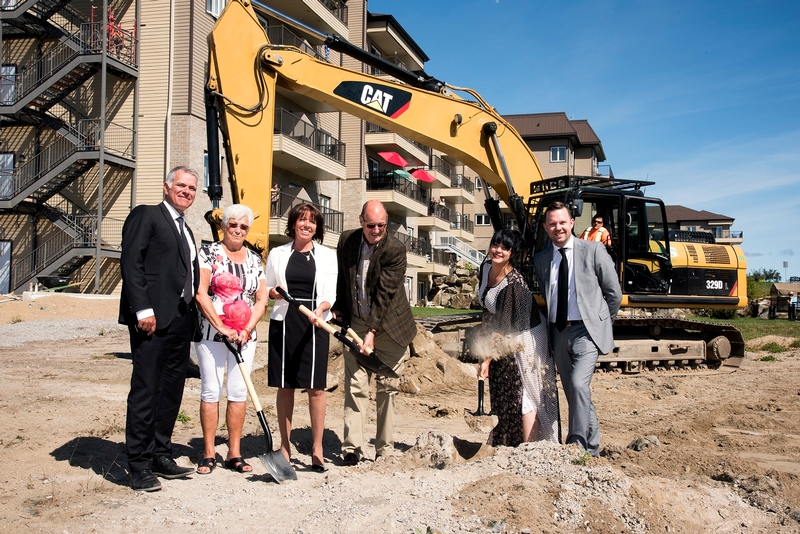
(210, 463)
(237, 464)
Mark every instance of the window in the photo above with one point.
(6, 175)
(410, 231)
(482, 220)
(478, 184)
(8, 84)
(558, 154)
(215, 7)
(324, 204)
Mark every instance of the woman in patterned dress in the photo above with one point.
(298, 348)
(522, 380)
(231, 276)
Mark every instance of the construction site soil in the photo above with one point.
(694, 451)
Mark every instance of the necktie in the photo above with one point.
(563, 291)
(187, 283)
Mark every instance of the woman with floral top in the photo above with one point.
(232, 298)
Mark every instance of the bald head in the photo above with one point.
(374, 219)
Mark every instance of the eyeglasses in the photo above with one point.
(234, 226)
(597, 222)
(373, 225)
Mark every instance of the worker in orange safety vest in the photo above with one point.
(596, 232)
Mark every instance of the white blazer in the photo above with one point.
(324, 282)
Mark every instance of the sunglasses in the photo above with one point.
(234, 226)
(373, 225)
(597, 222)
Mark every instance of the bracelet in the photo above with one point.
(373, 331)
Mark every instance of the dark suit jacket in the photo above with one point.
(389, 308)
(154, 265)
(596, 284)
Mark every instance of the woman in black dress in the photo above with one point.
(298, 348)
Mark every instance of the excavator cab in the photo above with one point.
(639, 241)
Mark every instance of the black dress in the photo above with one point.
(298, 351)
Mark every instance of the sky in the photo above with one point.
(701, 97)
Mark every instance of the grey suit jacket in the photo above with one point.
(596, 284)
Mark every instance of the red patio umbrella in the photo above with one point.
(421, 174)
(394, 158)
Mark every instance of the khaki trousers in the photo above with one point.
(356, 395)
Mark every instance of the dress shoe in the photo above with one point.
(166, 467)
(350, 459)
(144, 480)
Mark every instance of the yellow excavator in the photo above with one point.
(658, 268)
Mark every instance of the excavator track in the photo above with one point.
(650, 343)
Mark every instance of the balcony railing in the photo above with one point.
(440, 165)
(334, 220)
(48, 252)
(418, 247)
(459, 180)
(603, 170)
(442, 257)
(305, 133)
(382, 181)
(440, 211)
(119, 140)
(462, 223)
(374, 128)
(391, 59)
(337, 7)
(280, 34)
(720, 233)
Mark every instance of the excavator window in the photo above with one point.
(647, 264)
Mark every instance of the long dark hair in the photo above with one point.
(301, 210)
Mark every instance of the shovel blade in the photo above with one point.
(277, 466)
(374, 365)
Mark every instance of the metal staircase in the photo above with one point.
(463, 251)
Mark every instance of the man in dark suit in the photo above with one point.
(159, 279)
(580, 317)
(371, 297)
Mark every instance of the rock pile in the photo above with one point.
(457, 290)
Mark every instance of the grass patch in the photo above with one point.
(772, 347)
(183, 417)
(421, 313)
(768, 358)
(752, 328)
(795, 344)
(15, 319)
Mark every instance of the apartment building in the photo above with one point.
(690, 220)
(68, 90)
(139, 68)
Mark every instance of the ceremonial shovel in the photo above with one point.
(274, 461)
(370, 362)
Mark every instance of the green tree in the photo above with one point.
(764, 275)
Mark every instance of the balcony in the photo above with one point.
(462, 228)
(382, 139)
(461, 190)
(438, 218)
(439, 263)
(305, 150)
(442, 171)
(400, 195)
(279, 212)
(727, 237)
(282, 35)
(327, 16)
(419, 251)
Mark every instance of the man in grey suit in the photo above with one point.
(582, 291)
